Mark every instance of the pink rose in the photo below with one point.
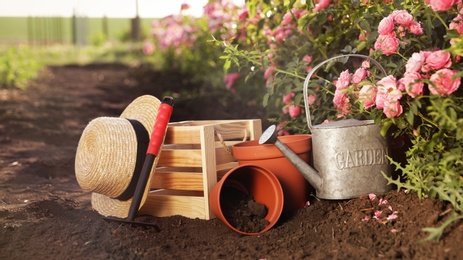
(367, 96)
(294, 111)
(392, 109)
(366, 64)
(230, 79)
(322, 4)
(388, 44)
(401, 31)
(343, 81)
(299, 12)
(402, 17)
(311, 99)
(411, 84)
(148, 48)
(269, 72)
(391, 106)
(442, 5)
(438, 60)
(386, 26)
(359, 75)
(307, 59)
(341, 102)
(443, 82)
(363, 35)
(285, 110)
(279, 35)
(457, 25)
(393, 95)
(288, 98)
(415, 28)
(243, 14)
(416, 61)
(287, 18)
(385, 86)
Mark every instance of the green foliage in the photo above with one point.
(98, 39)
(17, 67)
(435, 161)
(436, 233)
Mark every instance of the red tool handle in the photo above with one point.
(160, 126)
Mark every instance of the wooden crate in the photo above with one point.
(194, 156)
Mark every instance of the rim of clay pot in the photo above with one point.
(269, 190)
(252, 150)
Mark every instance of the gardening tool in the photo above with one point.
(349, 156)
(157, 138)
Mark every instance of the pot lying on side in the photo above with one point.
(295, 187)
(255, 181)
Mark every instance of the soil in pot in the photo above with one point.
(242, 211)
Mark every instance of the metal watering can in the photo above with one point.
(348, 155)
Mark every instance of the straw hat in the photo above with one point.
(111, 153)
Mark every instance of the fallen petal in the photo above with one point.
(372, 196)
(382, 202)
(392, 216)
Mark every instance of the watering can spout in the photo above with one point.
(310, 174)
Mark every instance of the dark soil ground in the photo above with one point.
(45, 215)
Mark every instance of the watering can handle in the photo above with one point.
(309, 76)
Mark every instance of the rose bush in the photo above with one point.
(186, 43)
(419, 98)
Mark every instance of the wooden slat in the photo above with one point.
(209, 165)
(255, 129)
(183, 135)
(178, 169)
(226, 166)
(164, 205)
(180, 158)
(189, 131)
(223, 156)
(233, 130)
(177, 180)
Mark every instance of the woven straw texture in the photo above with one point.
(107, 152)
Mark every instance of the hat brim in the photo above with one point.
(143, 109)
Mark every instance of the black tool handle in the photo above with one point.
(157, 137)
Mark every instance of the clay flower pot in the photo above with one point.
(256, 181)
(295, 186)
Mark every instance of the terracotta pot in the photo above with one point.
(295, 186)
(262, 184)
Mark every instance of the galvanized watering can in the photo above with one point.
(349, 156)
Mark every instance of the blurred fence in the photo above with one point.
(47, 30)
(78, 30)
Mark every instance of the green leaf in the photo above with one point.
(436, 233)
(265, 99)
(361, 45)
(226, 66)
(410, 117)
(265, 62)
(298, 98)
(387, 124)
